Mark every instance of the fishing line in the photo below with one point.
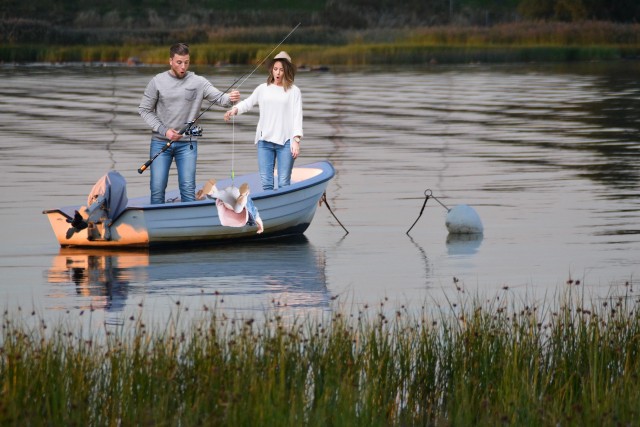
(270, 53)
(233, 149)
(233, 121)
(187, 127)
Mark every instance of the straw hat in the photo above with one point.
(283, 55)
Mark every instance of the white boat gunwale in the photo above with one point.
(326, 167)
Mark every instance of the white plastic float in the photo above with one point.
(463, 219)
(460, 220)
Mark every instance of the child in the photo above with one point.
(235, 207)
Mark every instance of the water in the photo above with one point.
(547, 155)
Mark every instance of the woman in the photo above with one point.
(280, 125)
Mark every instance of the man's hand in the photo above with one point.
(173, 135)
(234, 96)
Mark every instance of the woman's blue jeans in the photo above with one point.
(185, 155)
(268, 155)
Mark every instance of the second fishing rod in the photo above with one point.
(190, 127)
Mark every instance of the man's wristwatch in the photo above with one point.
(296, 139)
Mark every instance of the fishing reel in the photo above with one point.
(194, 131)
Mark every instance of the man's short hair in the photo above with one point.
(179, 49)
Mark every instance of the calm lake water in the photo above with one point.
(548, 155)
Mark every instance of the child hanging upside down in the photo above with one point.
(235, 207)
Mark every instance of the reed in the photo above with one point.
(351, 55)
(587, 33)
(472, 362)
(515, 42)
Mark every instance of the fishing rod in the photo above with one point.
(188, 128)
(197, 131)
(242, 82)
(269, 54)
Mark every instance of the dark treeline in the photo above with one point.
(141, 21)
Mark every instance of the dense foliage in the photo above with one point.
(50, 20)
(332, 13)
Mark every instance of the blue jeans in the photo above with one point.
(270, 153)
(185, 154)
(253, 212)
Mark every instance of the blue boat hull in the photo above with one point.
(284, 212)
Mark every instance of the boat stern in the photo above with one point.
(128, 230)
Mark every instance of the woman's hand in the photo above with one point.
(295, 147)
(231, 112)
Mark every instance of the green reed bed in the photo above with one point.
(318, 45)
(585, 33)
(348, 55)
(472, 362)
(416, 54)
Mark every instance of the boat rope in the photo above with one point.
(427, 194)
(326, 202)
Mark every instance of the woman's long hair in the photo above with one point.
(289, 73)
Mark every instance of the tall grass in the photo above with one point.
(351, 55)
(473, 362)
(586, 33)
(516, 42)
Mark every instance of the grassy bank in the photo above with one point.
(361, 54)
(522, 42)
(475, 363)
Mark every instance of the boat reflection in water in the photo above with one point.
(285, 274)
(101, 277)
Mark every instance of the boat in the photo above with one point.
(286, 211)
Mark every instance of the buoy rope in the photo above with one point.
(427, 194)
(431, 195)
(426, 199)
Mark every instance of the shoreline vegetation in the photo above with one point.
(474, 361)
(316, 46)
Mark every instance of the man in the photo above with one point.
(172, 99)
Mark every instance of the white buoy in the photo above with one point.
(463, 219)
